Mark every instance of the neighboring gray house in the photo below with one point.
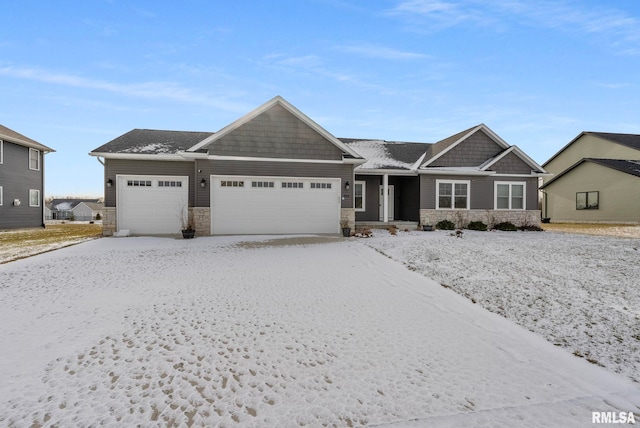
(75, 209)
(21, 180)
(276, 171)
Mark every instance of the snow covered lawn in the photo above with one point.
(219, 332)
(580, 292)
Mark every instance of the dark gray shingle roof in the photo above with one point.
(391, 154)
(16, 137)
(630, 140)
(153, 141)
(628, 166)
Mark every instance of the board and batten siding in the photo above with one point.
(276, 133)
(207, 168)
(16, 180)
(114, 167)
(473, 151)
(482, 190)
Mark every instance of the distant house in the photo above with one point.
(596, 179)
(75, 209)
(275, 170)
(21, 180)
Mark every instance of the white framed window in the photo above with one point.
(1, 151)
(34, 198)
(1, 196)
(453, 194)
(34, 159)
(359, 195)
(510, 195)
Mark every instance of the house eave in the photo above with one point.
(455, 172)
(142, 156)
(285, 160)
(374, 171)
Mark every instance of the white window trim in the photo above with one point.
(453, 196)
(364, 195)
(510, 183)
(34, 190)
(1, 153)
(38, 152)
(1, 195)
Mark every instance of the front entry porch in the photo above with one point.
(383, 200)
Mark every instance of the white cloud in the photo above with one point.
(154, 90)
(606, 25)
(381, 52)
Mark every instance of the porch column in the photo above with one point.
(385, 198)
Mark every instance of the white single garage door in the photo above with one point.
(278, 205)
(151, 204)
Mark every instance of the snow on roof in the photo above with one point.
(378, 156)
(63, 206)
(152, 148)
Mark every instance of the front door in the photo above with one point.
(381, 203)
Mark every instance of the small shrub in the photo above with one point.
(445, 225)
(98, 217)
(531, 228)
(477, 225)
(506, 226)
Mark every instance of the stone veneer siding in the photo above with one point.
(109, 221)
(348, 215)
(462, 218)
(201, 220)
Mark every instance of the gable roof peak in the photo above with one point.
(443, 146)
(265, 107)
(12, 136)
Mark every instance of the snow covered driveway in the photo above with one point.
(217, 332)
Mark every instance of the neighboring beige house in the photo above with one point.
(596, 179)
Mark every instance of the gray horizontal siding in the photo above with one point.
(276, 133)
(273, 169)
(114, 167)
(372, 198)
(481, 190)
(16, 179)
(473, 151)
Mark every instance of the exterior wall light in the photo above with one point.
(346, 185)
(203, 183)
(109, 182)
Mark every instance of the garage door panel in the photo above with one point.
(156, 207)
(254, 210)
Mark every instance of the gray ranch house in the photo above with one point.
(21, 180)
(74, 209)
(276, 171)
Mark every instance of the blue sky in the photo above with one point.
(76, 74)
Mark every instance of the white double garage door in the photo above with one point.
(239, 204)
